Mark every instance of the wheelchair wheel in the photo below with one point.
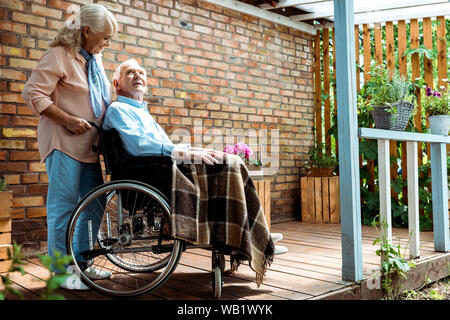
(123, 228)
(218, 265)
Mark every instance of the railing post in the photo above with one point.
(384, 176)
(439, 193)
(413, 198)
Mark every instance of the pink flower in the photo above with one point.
(229, 149)
(240, 149)
(248, 152)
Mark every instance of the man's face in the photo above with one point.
(133, 81)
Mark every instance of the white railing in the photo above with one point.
(439, 183)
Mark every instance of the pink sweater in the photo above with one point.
(61, 78)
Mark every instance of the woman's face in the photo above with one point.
(95, 42)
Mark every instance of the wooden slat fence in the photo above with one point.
(386, 44)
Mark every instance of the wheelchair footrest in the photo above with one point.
(162, 248)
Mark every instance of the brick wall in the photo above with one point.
(214, 73)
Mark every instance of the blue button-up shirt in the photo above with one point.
(139, 132)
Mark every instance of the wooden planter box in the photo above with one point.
(5, 229)
(263, 190)
(320, 199)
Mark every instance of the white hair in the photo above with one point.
(118, 71)
(94, 16)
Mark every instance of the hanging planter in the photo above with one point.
(388, 93)
(392, 118)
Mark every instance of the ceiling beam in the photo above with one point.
(393, 14)
(263, 14)
(388, 11)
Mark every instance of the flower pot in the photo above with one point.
(320, 172)
(384, 119)
(439, 124)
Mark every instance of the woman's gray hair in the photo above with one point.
(94, 16)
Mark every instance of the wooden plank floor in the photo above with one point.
(311, 268)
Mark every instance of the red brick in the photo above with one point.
(7, 108)
(24, 155)
(13, 27)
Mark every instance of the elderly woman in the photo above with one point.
(67, 89)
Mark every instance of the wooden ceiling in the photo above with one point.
(310, 15)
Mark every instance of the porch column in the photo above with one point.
(352, 267)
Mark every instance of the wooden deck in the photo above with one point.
(311, 269)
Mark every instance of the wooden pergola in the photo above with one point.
(310, 15)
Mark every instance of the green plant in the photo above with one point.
(58, 262)
(318, 158)
(386, 87)
(394, 266)
(3, 184)
(16, 266)
(435, 103)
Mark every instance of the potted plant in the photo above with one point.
(319, 163)
(245, 152)
(387, 93)
(435, 105)
(5, 200)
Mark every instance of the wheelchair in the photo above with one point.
(123, 226)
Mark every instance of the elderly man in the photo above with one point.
(213, 199)
(139, 132)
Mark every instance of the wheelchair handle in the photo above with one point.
(94, 125)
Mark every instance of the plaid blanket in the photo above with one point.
(218, 205)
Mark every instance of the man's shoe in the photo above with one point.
(280, 250)
(73, 282)
(276, 237)
(95, 274)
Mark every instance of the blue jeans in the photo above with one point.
(69, 181)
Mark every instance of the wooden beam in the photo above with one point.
(413, 199)
(384, 178)
(369, 133)
(263, 14)
(378, 12)
(439, 195)
(350, 207)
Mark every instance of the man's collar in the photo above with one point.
(133, 102)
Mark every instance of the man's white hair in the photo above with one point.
(118, 71)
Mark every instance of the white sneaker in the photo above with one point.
(73, 282)
(280, 250)
(95, 274)
(276, 237)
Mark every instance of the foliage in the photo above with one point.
(394, 266)
(435, 102)
(317, 157)
(243, 151)
(3, 184)
(16, 266)
(58, 262)
(386, 87)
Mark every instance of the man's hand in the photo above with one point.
(197, 156)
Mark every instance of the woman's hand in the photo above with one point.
(77, 125)
(73, 124)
